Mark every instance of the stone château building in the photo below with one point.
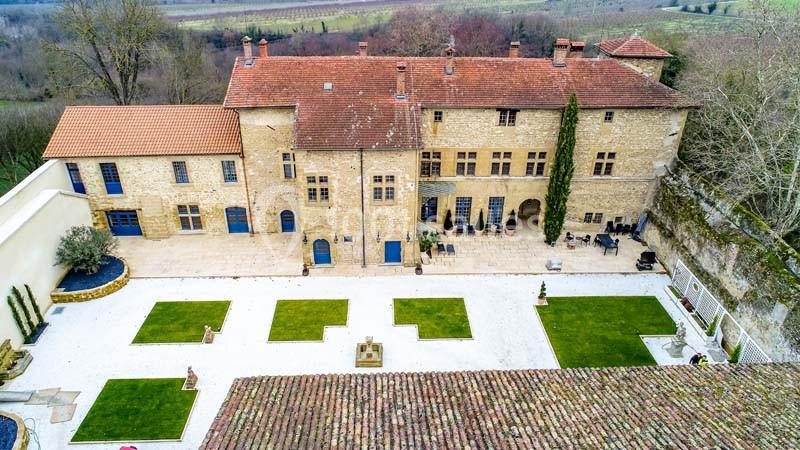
(351, 153)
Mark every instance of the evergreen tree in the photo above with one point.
(17, 319)
(561, 173)
(36, 309)
(480, 226)
(21, 303)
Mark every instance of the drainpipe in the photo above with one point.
(363, 232)
(244, 170)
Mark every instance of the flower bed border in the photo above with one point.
(59, 296)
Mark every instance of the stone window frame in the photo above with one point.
(608, 117)
(191, 214)
(288, 163)
(318, 190)
(603, 165)
(430, 164)
(381, 185)
(507, 117)
(593, 217)
(438, 116)
(501, 164)
(229, 171)
(466, 163)
(536, 165)
(180, 172)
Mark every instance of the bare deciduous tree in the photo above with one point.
(746, 136)
(112, 42)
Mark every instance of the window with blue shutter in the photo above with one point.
(111, 178)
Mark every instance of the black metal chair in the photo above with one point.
(646, 261)
(451, 250)
(587, 239)
(626, 229)
(609, 227)
(596, 240)
(498, 229)
(470, 230)
(569, 237)
(440, 248)
(459, 230)
(618, 228)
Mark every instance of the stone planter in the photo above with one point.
(21, 442)
(61, 296)
(425, 258)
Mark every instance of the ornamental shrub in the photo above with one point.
(33, 303)
(511, 223)
(428, 240)
(481, 224)
(25, 335)
(448, 221)
(736, 354)
(21, 305)
(712, 327)
(84, 248)
(543, 291)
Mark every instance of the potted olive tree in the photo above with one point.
(511, 223)
(426, 243)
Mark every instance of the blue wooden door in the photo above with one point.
(75, 178)
(287, 221)
(124, 223)
(322, 252)
(392, 252)
(237, 219)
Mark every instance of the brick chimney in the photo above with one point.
(263, 48)
(576, 49)
(362, 48)
(560, 52)
(513, 51)
(450, 64)
(248, 49)
(400, 92)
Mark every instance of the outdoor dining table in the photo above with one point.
(607, 242)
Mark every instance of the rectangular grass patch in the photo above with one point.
(435, 318)
(180, 322)
(305, 320)
(137, 410)
(603, 331)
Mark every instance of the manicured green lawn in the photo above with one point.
(603, 331)
(137, 410)
(181, 321)
(435, 318)
(304, 320)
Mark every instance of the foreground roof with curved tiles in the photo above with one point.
(730, 406)
(360, 109)
(147, 130)
(632, 47)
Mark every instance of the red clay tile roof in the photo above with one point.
(86, 131)
(632, 47)
(730, 406)
(361, 110)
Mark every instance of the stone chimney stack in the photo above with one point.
(576, 49)
(362, 48)
(560, 52)
(400, 92)
(450, 64)
(513, 51)
(263, 48)
(248, 49)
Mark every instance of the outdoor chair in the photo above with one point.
(459, 230)
(609, 227)
(470, 230)
(440, 248)
(646, 261)
(596, 240)
(569, 237)
(618, 228)
(498, 230)
(587, 239)
(451, 250)
(626, 229)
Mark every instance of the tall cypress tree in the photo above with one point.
(561, 173)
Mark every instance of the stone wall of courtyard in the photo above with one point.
(754, 273)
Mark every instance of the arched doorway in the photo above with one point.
(322, 252)
(287, 221)
(529, 211)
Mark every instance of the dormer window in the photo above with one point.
(609, 117)
(327, 86)
(437, 116)
(508, 117)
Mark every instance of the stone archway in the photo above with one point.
(529, 211)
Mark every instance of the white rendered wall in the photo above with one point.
(33, 217)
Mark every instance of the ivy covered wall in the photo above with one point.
(753, 272)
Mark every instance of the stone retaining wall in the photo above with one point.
(752, 272)
(94, 293)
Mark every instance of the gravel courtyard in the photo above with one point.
(88, 343)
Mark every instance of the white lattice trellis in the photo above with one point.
(707, 306)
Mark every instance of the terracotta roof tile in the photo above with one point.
(86, 131)
(720, 406)
(632, 47)
(361, 111)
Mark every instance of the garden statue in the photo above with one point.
(208, 335)
(676, 344)
(191, 380)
